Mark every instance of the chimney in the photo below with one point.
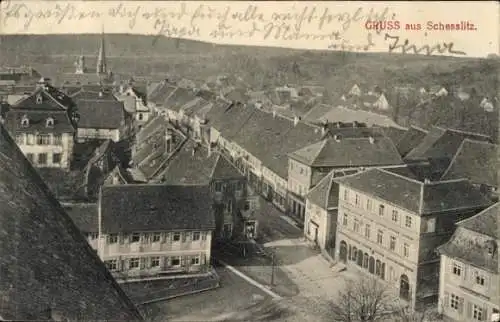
(209, 150)
(296, 120)
(372, 139)
(274, 114)
(100, 93)
(337, 138)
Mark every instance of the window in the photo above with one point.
(229, 206)
(408, 222)
(134, 263)
(43, 139)
(136, 237)
(39, 99)
(111, 264)
(395, 215)
(367, 231)
(156, 237)
(477, 312)
(19, 139)
(49, 122)
(176, 261)
(356, 200)
(155, 261)
(380, 236)
(218, 187)
(392, 243)
(368, 204)
(454, 302)
(356, 225)
(195, 260)
(112, 238)
(140, 116)
(42, 158)
(346, 194)
(196, 235)
(479, 279)
(345, 221)
(204, 236)
(247, 205)
(30, 139)
(406, 250)
(56, 158)
(176, 236)
(93, 235)
(457, 269)
(30, 157)
(381, 210)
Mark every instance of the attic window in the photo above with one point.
(39, 99)
(25, 122)
(49, 122)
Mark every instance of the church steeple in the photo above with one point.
(101, 59)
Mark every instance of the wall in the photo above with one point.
(65, 148)
(299, 177)
(101, 134)
(322, 218)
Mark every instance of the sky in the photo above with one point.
(308, 25)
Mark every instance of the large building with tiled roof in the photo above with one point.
(410, 140)
(44, 124)
(49, 271)
(469, 272)
(101, 120)
(152, 230)
(234, 202)
(389, 225)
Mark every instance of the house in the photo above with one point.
(175, 101)
(469, 276)
(84, 94)
(376, 101)
(43, 125)
(234, 202)
(355, 91)
(149, 231)
(390, 224)
(345, 154)
(42, 253)
(101, 120)
(142, 112)
(487, 105)
(158, 96)
(154, 145)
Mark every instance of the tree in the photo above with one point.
(367, 299)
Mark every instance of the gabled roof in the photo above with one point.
(150, 128)
(37, 122)
(51, 100)
(161, 93)
(418, 197)
(101, 114)
(325, 193)
(476, 161)
(410, 140)
(46, 263)
(178, 98)
(146, 207)
(349, 152)
(93, 95)
(485, 222)
(224, 170)
(85, 216)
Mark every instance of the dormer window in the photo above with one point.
(39, 99)
(49, 122)
(25, 122)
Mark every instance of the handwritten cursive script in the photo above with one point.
(406, 48)
(346, 45)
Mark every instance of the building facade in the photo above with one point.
(469, 277)
(389, 225)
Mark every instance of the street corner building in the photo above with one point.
(390, 223)
(469, 277)
(149, 231)
(48, 270)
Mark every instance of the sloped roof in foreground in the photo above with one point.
(47, 268)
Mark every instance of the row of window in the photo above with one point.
(225, 187)
(474, 311)
(356, 227)
(395, 217)
(41, 158)
(458, 270)
(146, 238)
(25, 122)
(39, 139)
(152, 262)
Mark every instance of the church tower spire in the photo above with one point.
(101, 59)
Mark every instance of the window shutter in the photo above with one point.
(461, 305)
(183, 236)
(203, 259)
(469, 309)
(446, 300)
(464, 272)
(188, 236)
(183, 260)
(121, 239)
(142, 262)
(126, 264)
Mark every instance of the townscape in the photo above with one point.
(167, 199)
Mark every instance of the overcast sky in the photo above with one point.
(312, 25)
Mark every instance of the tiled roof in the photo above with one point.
(188, 167)
(46, 263)
(88, 78)
(37, 121)
(224, 169)
(485, 223)
(476, 161)
(394, 133)
(178, 98)
(416, 196)
(442, 143)
(150, 128)
(91, 95)
(51, 99)
(349, 152)
(129, 103)
(161, 93)
(143, 207)
(84, 216)
(101, 114)
(207, 95)
(410, 140)
(325, 193)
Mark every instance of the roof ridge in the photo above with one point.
(398, 175)
(458, 223)
(467, 132)
(469, 140)
(459, 150)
